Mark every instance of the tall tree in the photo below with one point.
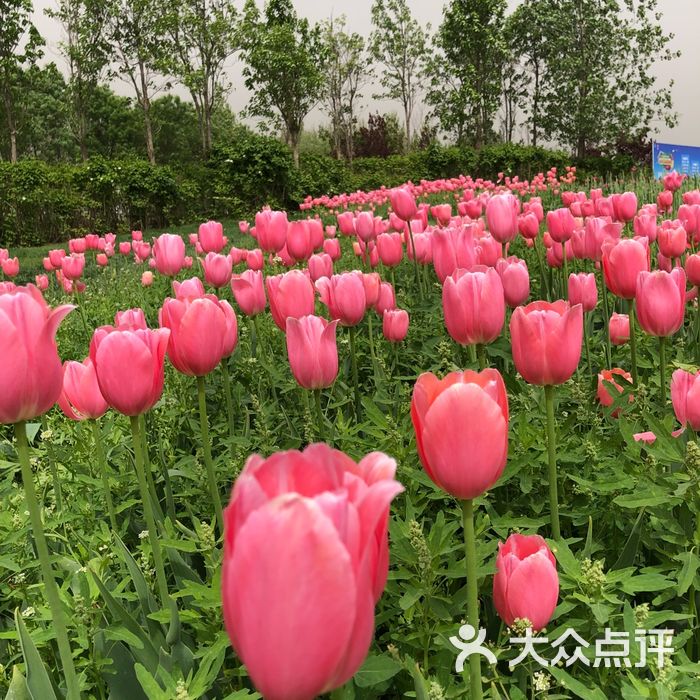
(284, 66)
(347, 72)
(466, 71)
(88, 53)
(599, 85)
(20, 47)
(398, 43)
(137, 33)
(202, 34)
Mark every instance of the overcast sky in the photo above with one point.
(680, 17)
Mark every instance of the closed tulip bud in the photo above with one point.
(502, 217)
(515, 278)
(137, 235)
(346, 223)
(73, 266)
(291, 294)
(474, 306)
(453, 249)
(217, 270)
(169, 254)
(395, 325)
(101, 259)
(546, 341)
(125, 248)
(271, 230)
(147, 278)
(130, 367)
(386, 299)
(423, 244)
(685, 395)
(344, 295)
(306, 548)
(299, 242)
(31, 375)
(623, 260)
(249, 292)
(672, 241)
(364, 226)
(528, 225)
(561, 225)
(46, 263)
(661, 301)
(130, 320)
(77, 245)
(81, 397)
(254, 259)
(390, 248)
(211, 237)
(42, 282)
(619, 328)
(489, 251)
(442, 213)
(526, 584)
(606, 377)
(244, 227)
(372, 283)
(320, 265)
(583, 290)
(692, 269)
(189, 289)
(312, 351)
(403, 203)
(56, 256)
(331, 246)
(461, 425)
(625, 206)
(664, 200)
(645, 225)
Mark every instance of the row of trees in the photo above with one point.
(576, 72)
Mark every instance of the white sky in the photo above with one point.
(680, 17)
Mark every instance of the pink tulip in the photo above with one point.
(125, 248)
(583, 290)
(561, 225)
(364, 226)
(661, 301)
(442, 213)
(502, 217)
(291, 294)
(46, 263)
(320, 265)
(515, 278)
(529, 226)
(526, 584)
(331, 246)
(169, 254)
(300, 245)
(386, 301)
(619, 329)
(31, 375)
(136, 235)
(692, 269)
(546, 341)
(77, 245)
(453, 249)
(474, 306)
(312, 351)
(81, 397)
(73, 266)
(244, 227)
(189, 289)
(623, 260)
(461, 425)
(198, 333)
(664, 200)
(56, 256)
(344, 295)
(130, 320)
(372, 283)
(489, 251)
(217, 270)
(42, 282)
(271, 230)
(211, 237)
(395, 325)
(346, 223)
(607, 376)
(685, 396)
(101, 259)
(403, 203)
(672, 241)
(625, 206)
(249, 292)
(254, 259)
(10, 266)
(390, 249)
(147, 278)
(645, 225)
(306, 548)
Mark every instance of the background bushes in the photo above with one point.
(42, 203)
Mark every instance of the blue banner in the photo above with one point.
(669, 157)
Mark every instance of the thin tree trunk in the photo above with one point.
(9, 110)
(146, 107)
(535, 105)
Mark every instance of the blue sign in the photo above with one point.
(668, 157)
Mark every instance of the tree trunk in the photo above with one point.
(535, 105)
(407, 116)
(146, 107)
(294, 137)
(82, 126)
(11, 127)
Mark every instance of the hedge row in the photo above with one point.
(42, 203)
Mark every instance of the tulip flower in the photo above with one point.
(73, 266)
(147, 278)
(672, 241)
(344, 295)
(619, 329)
(300, 244)
(625, 206)
(502, 217)
(31, 377)
(169, 254)
(685, 396)
(320, 265)
(306, 548)
(211, 237)
(249, 292)
(101, 259)
(386, 300)
(403, 203)
(189, 289)
(390, 248)
(664, 200)
(606, 377)
(560, 224)
(290, 294)
(526, 584)
(217, 269)
(125, 248)
(583, 290)
(364, 226)
(271, 230)
(395, 325)
(515, 279)
(546, 341)
(56, 257)
(254, 259)
(312, 351)
(10, 267)
(42, 282)
(474, 306)
(331, 246)
(453, 249)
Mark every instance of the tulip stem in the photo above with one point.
(253, 337)
(356, 381)
(415, 261)
(472, 355)
(148, 513)
(227, 396)
(319, 415)
(633, 342)
(481, 352)
(206, 449)
(370, 330)
(552, 456)
(58, 621)
(697, 329)
(606, 311)
(565, 269)
(544, 286)
(472, 595)
(662, 370)
(102, 462)
(586, 340)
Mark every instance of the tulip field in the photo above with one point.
(437, 441)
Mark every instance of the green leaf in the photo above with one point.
(686, 575)
(376, 670)
(576, 686)
(634, 500)
(18, 689)
(150, 684)
(38, 681)
(629, 551)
